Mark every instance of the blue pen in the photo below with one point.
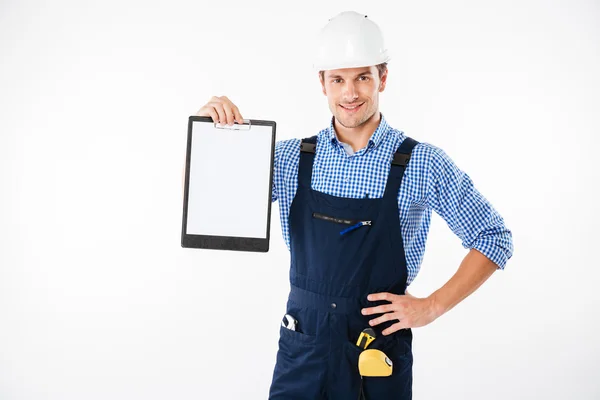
(358, 225)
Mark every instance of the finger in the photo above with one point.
(206, 109)
(380, 296)
(213, 114)
(395, 328)
(238, 115)
(222, 116)
(384, 308)
(383, 318)
(229, 115)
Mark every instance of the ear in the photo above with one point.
(383, 81)
(322, 85)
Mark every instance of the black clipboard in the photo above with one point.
(221, 166)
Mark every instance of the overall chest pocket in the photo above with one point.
(346, 225)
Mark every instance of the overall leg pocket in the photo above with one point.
(397, 386)
(298, 369)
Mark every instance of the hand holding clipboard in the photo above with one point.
(228, 179)
(221, 110)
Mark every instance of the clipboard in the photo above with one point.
(228, 183)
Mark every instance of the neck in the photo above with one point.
(359, 136)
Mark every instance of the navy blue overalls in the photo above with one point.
(331, 275)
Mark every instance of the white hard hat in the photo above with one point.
(349, 40)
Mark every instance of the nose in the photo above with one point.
(349, 91)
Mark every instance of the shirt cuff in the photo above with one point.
(497, 248)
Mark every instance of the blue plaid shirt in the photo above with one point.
(431, 182)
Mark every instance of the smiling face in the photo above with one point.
(353, 93)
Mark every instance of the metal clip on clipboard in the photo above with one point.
(235, 126)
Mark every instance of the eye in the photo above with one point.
(336, 80)
(363, 76)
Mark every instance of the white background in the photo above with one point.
(99, 301)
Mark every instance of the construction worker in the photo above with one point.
(355, 203)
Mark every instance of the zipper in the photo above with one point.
(354, 224)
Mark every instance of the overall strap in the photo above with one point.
(399, 165)
(308, 148)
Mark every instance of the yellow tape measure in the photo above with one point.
(365, 338)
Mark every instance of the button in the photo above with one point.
(333, 305)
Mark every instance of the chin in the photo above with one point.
(353, 123)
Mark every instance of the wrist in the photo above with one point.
(436, 305)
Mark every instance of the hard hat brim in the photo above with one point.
(350, 64)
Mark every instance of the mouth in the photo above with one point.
(351, 108)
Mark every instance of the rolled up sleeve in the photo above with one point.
(452, 195)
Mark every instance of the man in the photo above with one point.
(355, 204)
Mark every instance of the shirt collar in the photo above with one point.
(375, 138)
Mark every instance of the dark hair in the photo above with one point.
(380, 67)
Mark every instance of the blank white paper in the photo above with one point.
(229, 187)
